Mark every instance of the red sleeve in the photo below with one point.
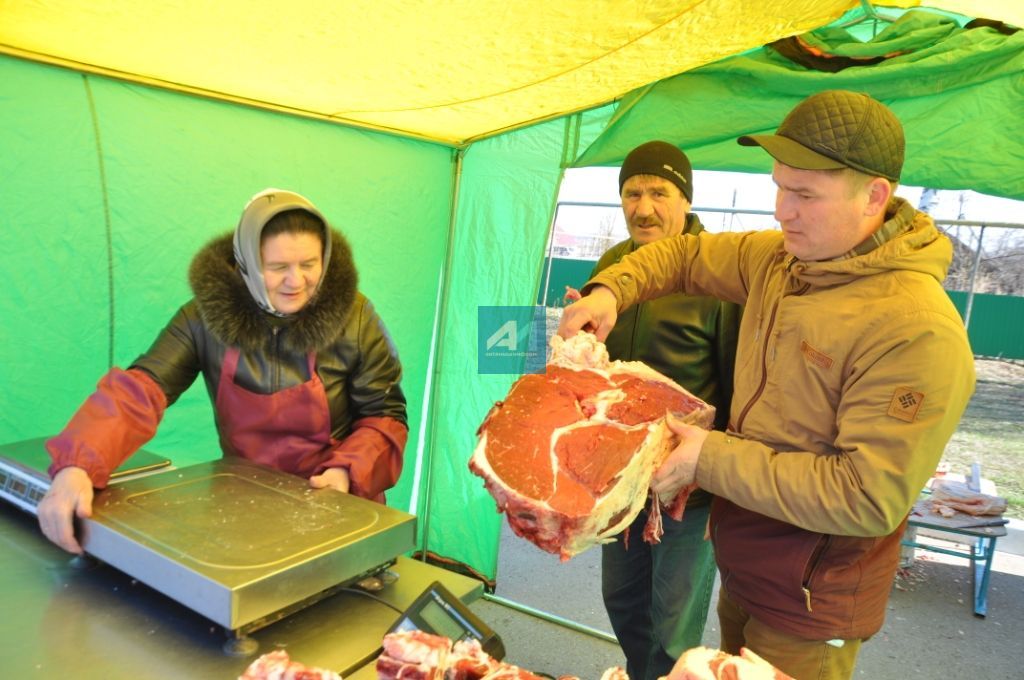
(119, 417)
(373, 455)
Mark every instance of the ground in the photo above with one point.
(992, 431)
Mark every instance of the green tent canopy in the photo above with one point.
(956, 90)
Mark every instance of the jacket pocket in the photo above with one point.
(811, 568)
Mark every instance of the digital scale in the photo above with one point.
(438, 611)
(239, 543)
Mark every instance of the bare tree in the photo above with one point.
(1000, 268)
(603, 237)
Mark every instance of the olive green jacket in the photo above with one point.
(689, 338)
(851, 377)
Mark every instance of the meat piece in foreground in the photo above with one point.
(569, 453)
(701, 663)
(415, 655)
(277, 666)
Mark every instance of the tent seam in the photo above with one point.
(106, 218)
(572, 127)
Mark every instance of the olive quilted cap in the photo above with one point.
(836, 129)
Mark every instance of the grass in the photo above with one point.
(991, 432)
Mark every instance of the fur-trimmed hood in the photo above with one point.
(232, 315)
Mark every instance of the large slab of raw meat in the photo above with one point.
(568, 455)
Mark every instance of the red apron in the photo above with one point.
(289, 430)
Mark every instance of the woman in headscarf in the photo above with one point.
(299, 368)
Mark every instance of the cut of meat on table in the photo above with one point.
(949, 497)
(701, 663)
(277, 665)
(568, 455)
(415, 655)
(614, 673)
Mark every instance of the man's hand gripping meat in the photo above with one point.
(680, 468)
(595, 313)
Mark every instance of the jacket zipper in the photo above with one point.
(764, 370)
(726, 576)
(764, 354)
(276, 372)
(814, 563)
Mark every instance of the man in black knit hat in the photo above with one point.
(657, 596)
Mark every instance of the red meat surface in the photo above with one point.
(568, 455)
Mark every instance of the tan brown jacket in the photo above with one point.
(851, 376)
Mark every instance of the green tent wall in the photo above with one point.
(505, 203)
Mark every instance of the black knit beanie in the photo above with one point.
(661, 159)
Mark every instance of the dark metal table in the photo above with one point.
(63, 621)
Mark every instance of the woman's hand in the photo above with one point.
(334, 478)
(70, 496)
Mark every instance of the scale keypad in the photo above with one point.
(23, 492)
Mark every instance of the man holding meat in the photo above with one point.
(657, 596)
(852, 372)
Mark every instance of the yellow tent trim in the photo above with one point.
(448, 72)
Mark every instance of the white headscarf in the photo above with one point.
(258, 211)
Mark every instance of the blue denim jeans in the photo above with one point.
(657, 596)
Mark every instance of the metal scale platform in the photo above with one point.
(239, 543)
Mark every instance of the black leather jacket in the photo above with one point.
(355, 357)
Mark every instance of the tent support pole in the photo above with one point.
(549, 260)
(974, 276)
(428, 482)
(553, 618)
(570, 147)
